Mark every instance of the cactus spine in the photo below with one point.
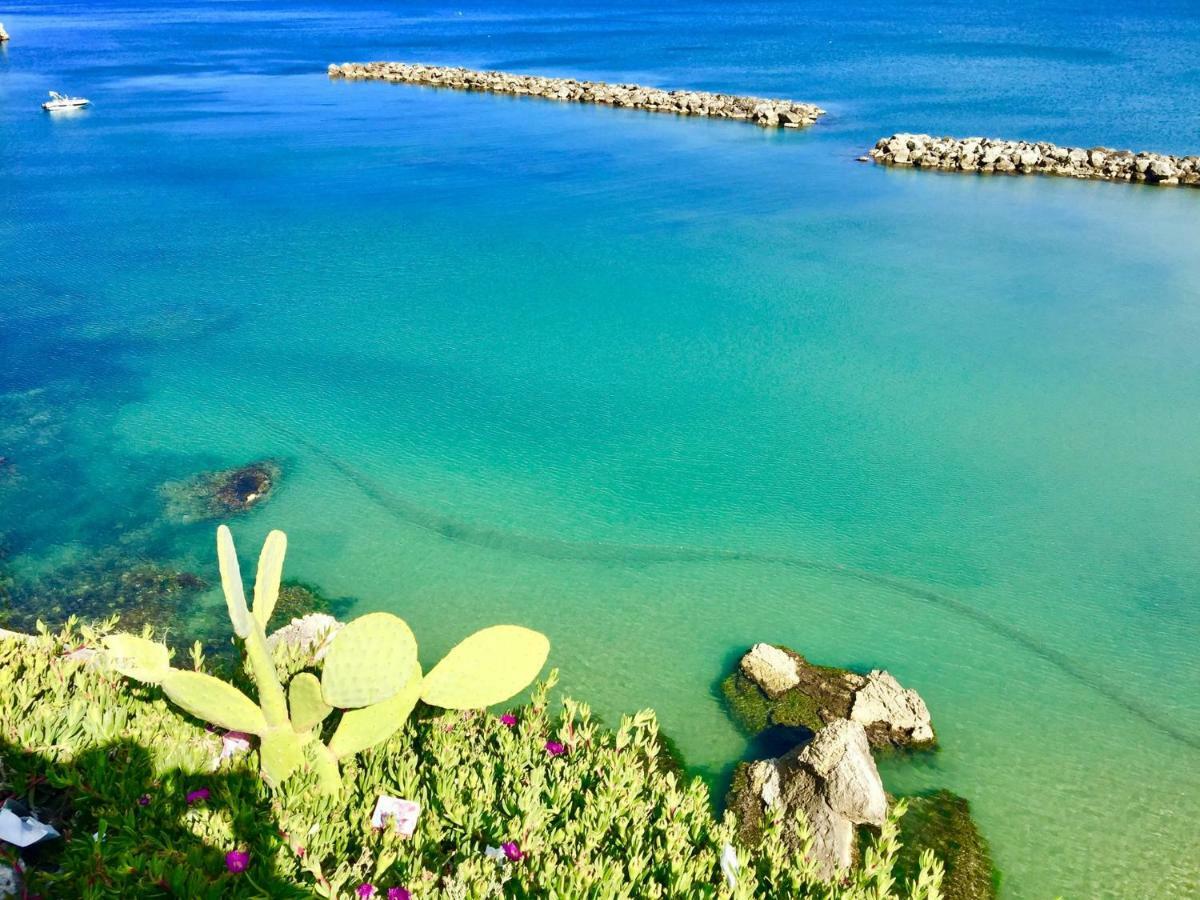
(371, 672)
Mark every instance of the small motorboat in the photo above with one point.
(59, 101)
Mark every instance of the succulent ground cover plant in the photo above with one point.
(371, 673)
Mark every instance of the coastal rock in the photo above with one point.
(215, 495)
(767, 113)
(3, 38)
(770, 668)
(891, 713)
(777, 687)
(1038, 157)
(941, 821)
(832, 780)
(308, 635)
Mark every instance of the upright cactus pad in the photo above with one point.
(308, 708)
(270, 571)
(212, 700)
(486, 668)
(281, 752)
(371, 725)
(231, 583)
(370, 660)
(137, 658)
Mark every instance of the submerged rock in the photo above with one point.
(216, 495)
(942, 822)
(778, 687)
(832, 780)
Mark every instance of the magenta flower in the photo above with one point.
(512, 852)
(195, 797)
(366, 890)
(554, 748)
(508, 719)
(398, 894)
(237, 861)
(144, 800)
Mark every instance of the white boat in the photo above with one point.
(59, 101)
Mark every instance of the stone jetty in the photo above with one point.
(1034, 158)
(765, 112)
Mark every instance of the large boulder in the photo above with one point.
(219, 494)
(891, 713)
(775, 687)
(831, 780)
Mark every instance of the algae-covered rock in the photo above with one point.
(941, 821)
(216, 495)
(892, 715)
(832, 780)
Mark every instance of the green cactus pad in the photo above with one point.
(270, 570)
(137, 658)
(325, 764)
(212, 700)
(487, 668)
(371, 725)
(309, 709)
(370, 660)
(231, 583)
(280, 753)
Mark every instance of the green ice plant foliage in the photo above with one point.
(371, 672)
(97, 754)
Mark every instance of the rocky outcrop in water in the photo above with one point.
(776, 686)
(215, 495)
(765, 112)
(832, 780)
(1034, 158)
(3, 33)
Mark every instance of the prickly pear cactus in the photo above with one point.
(137, 657)
(308, 707)
(374, 724)
(212, 700)
(486, 668)
(370, 660)
(280, 752)
(270, 572)
(231, 583)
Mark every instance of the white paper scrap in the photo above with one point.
(23, 831)
(729, 865)
(403, 814)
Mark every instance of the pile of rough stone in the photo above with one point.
(833, 777)
(1037, 158)
(765, 112)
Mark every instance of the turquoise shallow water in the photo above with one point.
(661, 388)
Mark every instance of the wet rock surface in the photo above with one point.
(776, 687)
(216, 495)
(761, 111)
(941, 821)
(982, 155)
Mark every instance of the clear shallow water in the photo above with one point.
(659, 387)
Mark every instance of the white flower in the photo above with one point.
(729, 865)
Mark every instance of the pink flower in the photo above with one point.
(398, 894)
(144, 800)
(237, 861)
(511, 851)
(195, 797)
(366, 890)
(554, 748)
(508, 719)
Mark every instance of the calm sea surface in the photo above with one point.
(659, 387)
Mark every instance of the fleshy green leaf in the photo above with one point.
(308, 707)
(488, 667)
(212, 700)
(371, 725)
(137, 657)
(369, 660)
(270, 571)
(231, 582)
(280, 752)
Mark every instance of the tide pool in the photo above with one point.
(660, 388)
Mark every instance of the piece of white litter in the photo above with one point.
(729, 865)
(495, 853)
(232, 744)
(10, 883)
(23, 831)
(403, 814)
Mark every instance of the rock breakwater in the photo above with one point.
(761, 111)
(1035, 158)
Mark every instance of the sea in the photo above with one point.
(659, 387)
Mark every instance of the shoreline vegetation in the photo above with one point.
(157, 776)
(768, 113)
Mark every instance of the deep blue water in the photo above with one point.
(659, 387)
